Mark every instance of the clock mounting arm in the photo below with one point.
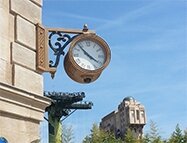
(54, 40)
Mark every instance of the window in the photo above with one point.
(132, 113)
(142, 114)
(137, 115)
(132, 116)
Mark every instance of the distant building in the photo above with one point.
(130, 114)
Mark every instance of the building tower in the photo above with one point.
(130, 115)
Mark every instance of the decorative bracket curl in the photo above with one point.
(58, 46)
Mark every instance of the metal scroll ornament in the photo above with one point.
(57, 43)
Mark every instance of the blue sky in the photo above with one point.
(149, 59)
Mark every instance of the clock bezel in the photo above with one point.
(96, 39)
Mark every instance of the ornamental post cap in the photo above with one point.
(85, 28)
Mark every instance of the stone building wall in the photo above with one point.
(21, 88)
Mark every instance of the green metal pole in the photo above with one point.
(61, 106)
(55, 128)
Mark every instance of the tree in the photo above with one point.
(146, 139)
(153, 136)
(96, 135)
(110, 138)
(67, 134)
(129, 138)
(177, 136)
(87, 139)
(185, 136)
(99, 136)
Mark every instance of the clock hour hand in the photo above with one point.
(86, 53)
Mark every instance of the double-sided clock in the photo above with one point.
(87, 57)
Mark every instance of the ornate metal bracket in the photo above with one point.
(59, 46)
(56, 39)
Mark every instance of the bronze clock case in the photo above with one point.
(76, 72)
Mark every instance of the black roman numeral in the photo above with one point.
(88, 43)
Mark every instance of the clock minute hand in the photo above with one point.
(86, 53)
(93, 58)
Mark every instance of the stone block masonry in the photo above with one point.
(4, 30)
(28, 80)
(5, 72)
(23, 56)
(27, 9)
(25, 33)
(38, 2)
(22, 103)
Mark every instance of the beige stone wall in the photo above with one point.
(21, 88)
(18, 43)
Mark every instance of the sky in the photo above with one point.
(148, 43)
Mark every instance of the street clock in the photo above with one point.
(87, 57)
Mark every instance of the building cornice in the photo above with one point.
(20, 102)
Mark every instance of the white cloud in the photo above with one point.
(120, 21)
(79, 17)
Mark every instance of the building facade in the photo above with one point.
(22, 104)
(129, 115)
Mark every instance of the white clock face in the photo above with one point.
(88, 55)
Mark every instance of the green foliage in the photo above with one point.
(146, 138)
(67, 134)
(99, 136)
(154, 133)
(87, 139)
(185, 135)
(129, 138)
(153, 136)
(177, 136)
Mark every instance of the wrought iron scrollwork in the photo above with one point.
(58, 41)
